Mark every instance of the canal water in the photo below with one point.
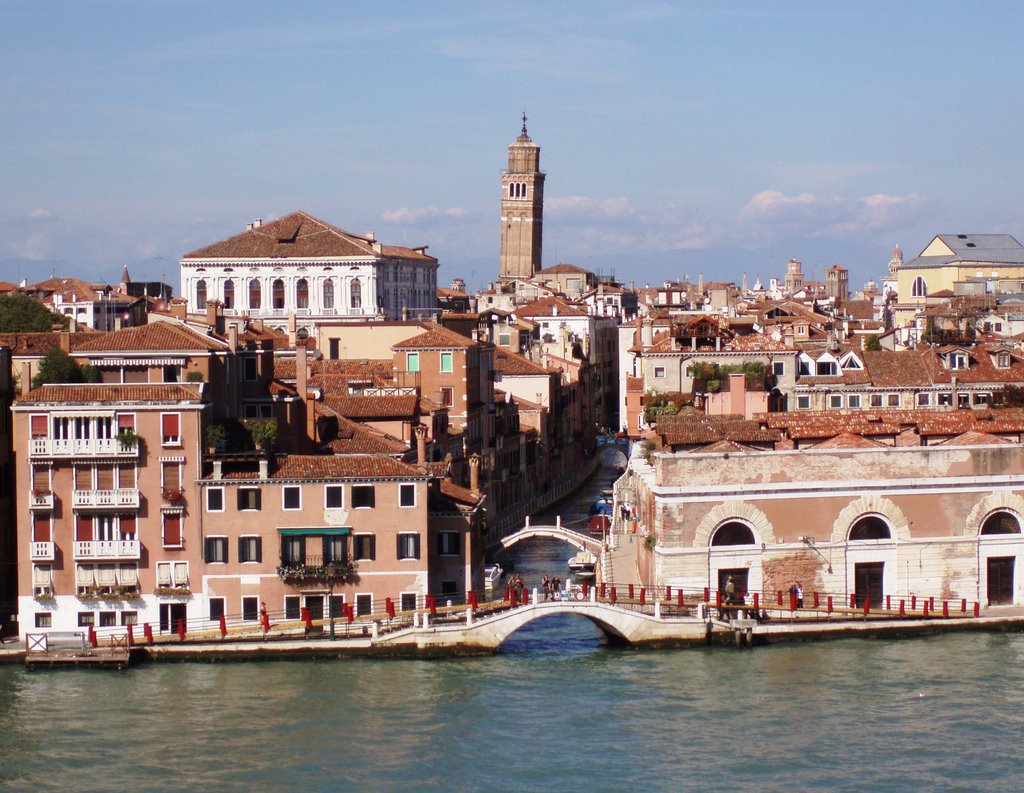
(555, 711)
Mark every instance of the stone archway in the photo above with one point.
(734, 511)
(867, 506)
(994, 502)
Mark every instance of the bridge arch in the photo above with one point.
(575, 538)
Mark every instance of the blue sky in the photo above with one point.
(677, 138)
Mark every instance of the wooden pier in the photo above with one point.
(74, 649)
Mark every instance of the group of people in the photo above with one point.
(797, 592)
(552, 587)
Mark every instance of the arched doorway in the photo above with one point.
(999, 569)
(729, 534)
(869, 577)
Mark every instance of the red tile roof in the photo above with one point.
(436, 338)
(333, 467)
(158, 336)
(547, 308)
(40, 343)
(564, 267)
(301, 236)
(105, 393)
(373, 407)
(512, 364)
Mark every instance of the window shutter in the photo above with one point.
(127, 524)
(40, 478)
(172, 529)
(83, 478)
(83, 528)
(209, 548)
(242, 555)
(41, 528)
(169, 422)
(373, 547)
(105, 477)
(259, 499)
(172, 476)
(259, 550)
(38, 426)
(398, 546)
(125, 421)
(126, 476)
(416, 546)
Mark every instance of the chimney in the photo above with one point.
(218, 469)
(421, 444)
(254, 224)
(292, 326)
(302, 386)
(233, 337)
(371, 236)
(264, 468)
(215, 315)
(474, 472)
(647, 333)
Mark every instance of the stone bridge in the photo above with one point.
(557, 532)
(479, 634)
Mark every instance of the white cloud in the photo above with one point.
(771, 214)
(614, 208)
(40, 216)
(415, 215)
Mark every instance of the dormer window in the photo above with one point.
(826, 368)
(1003, 360)
(958, 360)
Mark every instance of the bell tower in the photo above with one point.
(522, 209)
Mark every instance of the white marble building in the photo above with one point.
(304, 266)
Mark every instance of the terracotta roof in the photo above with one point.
(333, 467)
(356, 438)
(158, 336)
(373, 407)
(973, 438)
(113, 393)
(301, 236)
(40, 343)
(458, 493)
(436, 338)
(848, 440)
(563, 267)
(547, 308)
(511, 364)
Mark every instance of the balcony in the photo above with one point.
(40, 499)
(42, 551)
(81, 447)
(122, 498)
(108, 549)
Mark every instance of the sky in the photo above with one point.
(715, 138)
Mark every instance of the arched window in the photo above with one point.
(733, 533)
(870, 528)
(329, 293)
(255, 293)
(302, 293)
(1000, 523)
(229, 294)
(920, 288)
(356, 294)
(278, 293)
(201, 294)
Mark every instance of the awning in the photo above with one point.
(318, 532)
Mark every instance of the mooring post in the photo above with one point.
(469, 617)
(426, 620)
(535, 599)
(657, 609)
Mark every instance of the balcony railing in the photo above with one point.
(40, 499)
(42, 552)
(122, 498)
(77, 447)
(108, 549)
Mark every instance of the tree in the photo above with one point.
(22, 314)
(59, 367)
(872, 343)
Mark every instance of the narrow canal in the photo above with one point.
(533, 559)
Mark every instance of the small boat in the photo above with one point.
(603, 506)
(492, 576)
(599, 524)
(582, 564)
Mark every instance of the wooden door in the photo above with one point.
(1000, 580)
(868, 583)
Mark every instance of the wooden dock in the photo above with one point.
(73, 649)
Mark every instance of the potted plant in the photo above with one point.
(216, 438)
(128, 438)
(264, 434)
